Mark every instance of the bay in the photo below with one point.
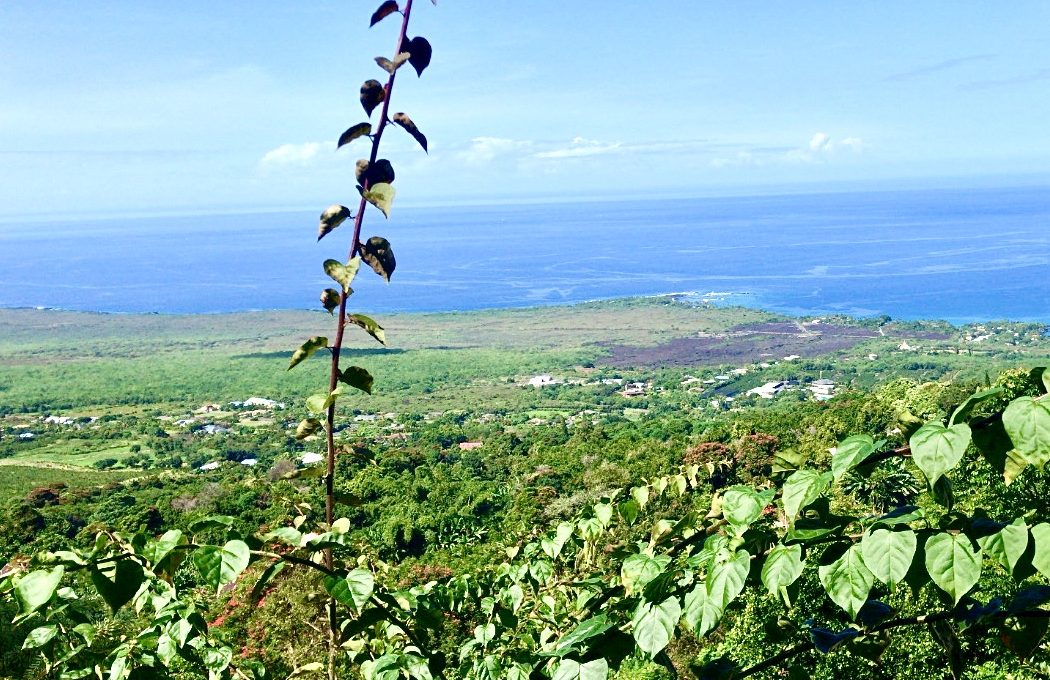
(955, 254)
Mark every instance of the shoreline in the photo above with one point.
(725, 300)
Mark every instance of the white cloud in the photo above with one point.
(820, 142)
(581, 147)
(486, 149)
(293, 155)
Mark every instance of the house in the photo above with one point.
(769, 390)
(310, 458)
(208, 408)
(250, 462)
(469, 446)
(26, 436)
(822, 389)
(208, 467)
(541, 380)
(262, 403)
(635, 389)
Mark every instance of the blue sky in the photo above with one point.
(136, 107)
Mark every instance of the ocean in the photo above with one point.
(956, 254)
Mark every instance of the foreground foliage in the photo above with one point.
(646, 573)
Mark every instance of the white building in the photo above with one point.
(822, 389)
(769, 390)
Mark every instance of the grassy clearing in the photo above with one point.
(17, 479)
(79, 452)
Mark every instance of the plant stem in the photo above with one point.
(337, 346)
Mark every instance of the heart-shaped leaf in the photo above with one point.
(1027, 423)
(377, 254)
(36, 588)
(420, 51)
(851, 452)
(385, 10)
(359, 130)
(342, 273)
(380, 172)
(355, 376)
(219, 566)
(953, 564)
(937, 449)
(404, 121)
(372, 95)
(392, 65)
(381, 196)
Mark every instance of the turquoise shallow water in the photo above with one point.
(952, 254)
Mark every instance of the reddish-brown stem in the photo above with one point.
(337, 346)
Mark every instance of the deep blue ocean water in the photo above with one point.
(960, 255)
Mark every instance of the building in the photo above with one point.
(769, 390)
(822, 389)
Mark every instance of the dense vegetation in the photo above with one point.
(447, 532)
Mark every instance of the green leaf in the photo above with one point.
(287, 535)
(1027, 423)
(653, 626)
(586, 630)
(352, 133)
(220, 566)
(574, 670)
(372, 95)
(216, 659)
(342, 274)
(331, 218)
(953, 564)
(317, 403)
(966, 408)
(402, 119)
(421, 53)
(937, 449)
(353, 591)
(385, 10)
(156, 550)
(381, 195)
(702, 613)
(212, 522)
(741, 506)
(1007, 545)
(802, 488)
(637, 570)
(376, 252)
(705, 604)
(848, 580)
(782, 567)
(888, 554)
(38, 637)
(307, 349)
(851, 452)
(117, 582)
(1041, 541)
(264, 580)
(355, 376)
(369, 325)
(36, 588)
(307, 427)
